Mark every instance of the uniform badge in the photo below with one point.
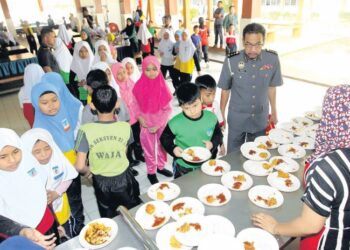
(66, 125)
(32, 172)
(241, 65)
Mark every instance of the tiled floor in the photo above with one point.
(294, 98)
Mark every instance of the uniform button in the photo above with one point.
(253, 86)
(253, 106)
(253, 96)
(253, 76)
(253, 65)
(240, 77)
(253, 115)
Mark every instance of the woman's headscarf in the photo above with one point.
(58, 169)
(97, 58)
(32, 75)
(186, 48)
(151, 94)
(334, 130)
(88, 39)
(144, 33)
(64, 35)
(136, 74)
(62, 125)
(129, 29)
(23, 194)
(166, 45)
(62, 55)
(81, 67)
(177, 43)
(104, 66)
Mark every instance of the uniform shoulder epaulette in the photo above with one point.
(233, 54)
(271, 51)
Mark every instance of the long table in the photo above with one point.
(238, 210)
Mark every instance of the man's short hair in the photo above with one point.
(205, 82)
(96, 78)
(104, 99)
(254, 28)
(45, 31)
(187, 93)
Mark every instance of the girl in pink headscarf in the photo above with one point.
(126, 86)
(153, 102)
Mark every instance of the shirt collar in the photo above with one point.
(246, 58)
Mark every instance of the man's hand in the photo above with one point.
(46, 241)
(208, 144)
(265, 221)
(178, 152)
(51, 196)
(273, 118)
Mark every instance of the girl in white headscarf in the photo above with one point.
(59, 170)
(103, 53)
(32, 75)
(165, 48)
(63, 58)
(131, 68)
(65, 36)
(186, 53)
(144, 36)
(22, 184)
(80, 67)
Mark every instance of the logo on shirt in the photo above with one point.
(32, 172)
(266, 67)
(66, 125)
(210, 132)
(55, 170)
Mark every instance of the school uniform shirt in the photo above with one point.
(166, 46)
(186, 52)
(106, 143)
(63, 58)
(196, 39)
(203, 33)
(177, 133)
(327, 194)
(215, 108)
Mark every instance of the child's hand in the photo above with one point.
(51, 196)
(178, 152)
(142, 122)
(208, 144)
(153, 130)
(222, 150)
(82, 83)
(45, 241)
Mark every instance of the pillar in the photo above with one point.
(171, 7)
(250, 10)
(210, 15)
(125, 11)
(150, 10)
(8, 20)
(187, 16)
(299, 22)
(100, 18)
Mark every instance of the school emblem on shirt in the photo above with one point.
(241, 65)
(55, 170)
(66, 125)
(210, 132)
(32, 172)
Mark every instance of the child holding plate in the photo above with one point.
(192, 127)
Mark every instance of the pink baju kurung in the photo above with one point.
(153, 100)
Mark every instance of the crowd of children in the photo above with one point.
(99, 119)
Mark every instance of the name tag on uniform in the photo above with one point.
(66, 125)
(32, 172)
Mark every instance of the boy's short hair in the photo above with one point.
(187, 93)
(195, 27)
(45, 31)
(96, 78)
(104, 99)
(206, 82)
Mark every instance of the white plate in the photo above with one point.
(147, 220)
(164, 236)
(228, 180)
(287, 165)
(215, 167)
(314, 115)
(163, 191)
(201, 152)
(280, 136)
(222, 242)
(305, 142)
(311, 131)
(285, 150)
(261, 238)
(215, 191)
(199, 229)
(266, 141)
(291, 127)
(185, 206)
(303, 121)
(265, 192)
(256, 168)
(280, 183)
(251, 151)
(221, 225)
(126, 248)
(107, 222)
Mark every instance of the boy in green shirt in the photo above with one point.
(192, 127)
(106, 142)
